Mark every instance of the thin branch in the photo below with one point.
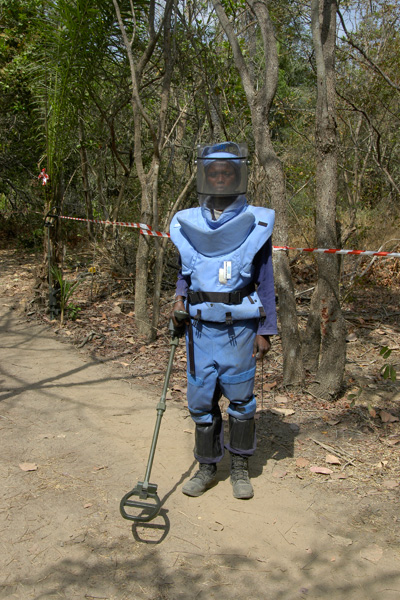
(377, 156)
(237, 53)
(134, 71)
(133, 21)
(369, 60)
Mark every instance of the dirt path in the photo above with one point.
(87, 429)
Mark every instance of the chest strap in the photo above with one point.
(234, 297)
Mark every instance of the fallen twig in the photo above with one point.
(336, 451)
(89, 338)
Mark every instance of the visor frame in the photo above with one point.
(230, 152)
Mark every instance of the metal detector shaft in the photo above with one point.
(149, 502)
(161, 406)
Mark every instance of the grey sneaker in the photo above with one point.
(201, 481)
(240, 481)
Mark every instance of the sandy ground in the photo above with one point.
(85, 429)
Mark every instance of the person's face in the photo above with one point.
(221, 177)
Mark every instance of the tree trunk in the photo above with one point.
(52, 247)
(143, 322)
(160, 251)
(141, 283)
(158, 275)
(325, 349)
(291, 343)
(85, 176)
(260, 99)
(155, 130)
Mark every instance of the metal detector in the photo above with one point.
(149, 503)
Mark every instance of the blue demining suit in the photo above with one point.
(224, 262)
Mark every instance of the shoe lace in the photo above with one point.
(239, 469)
(205, 472)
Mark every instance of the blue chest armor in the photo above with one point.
(218, 257)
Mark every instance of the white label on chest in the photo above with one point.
(226, 272)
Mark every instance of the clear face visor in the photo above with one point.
(222, 170)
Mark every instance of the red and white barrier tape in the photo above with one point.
(119, 223)
(154, 233)
(338, 251)
(147, 230)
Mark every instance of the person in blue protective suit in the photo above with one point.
(226, 285)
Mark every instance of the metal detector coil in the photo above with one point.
(148, 502)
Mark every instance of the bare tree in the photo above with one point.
(325, 349)
(260, 96)
(154, 126)
(372, 64)
(354, 165)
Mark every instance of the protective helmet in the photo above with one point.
(222, 170)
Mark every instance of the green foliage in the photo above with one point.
(387, 371)
(65, 290)
(62, 64)
(354, 397)
(369, 106)
(73, 311)
(19, 150)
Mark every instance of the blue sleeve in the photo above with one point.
(264, 279)
(182, 283)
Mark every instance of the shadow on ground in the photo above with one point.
(124, 569)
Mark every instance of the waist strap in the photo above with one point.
(234, 297)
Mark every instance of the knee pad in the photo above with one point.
(243, 410)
